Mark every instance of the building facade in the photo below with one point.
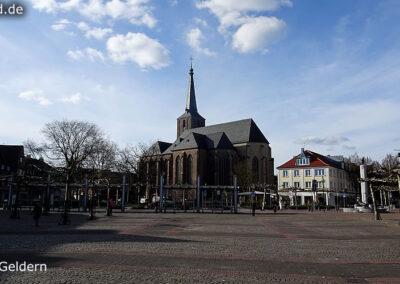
(214, 153)
(310, 175)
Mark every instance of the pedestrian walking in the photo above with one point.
(36, 213)
(110, 207)
(309, 205)
(254, 201)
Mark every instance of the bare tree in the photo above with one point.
(69, 143)
(102, 162)
(132, 161)
(389, 162)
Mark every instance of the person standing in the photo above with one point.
(110, 207)
(254, 201)
(36, 213)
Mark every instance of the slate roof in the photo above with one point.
(316, 160)
(10, 154)
(158, 148)
(191, 97)
(240, 131)
(218, 136)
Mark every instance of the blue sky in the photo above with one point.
(319, 74)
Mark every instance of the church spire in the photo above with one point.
(191, 97)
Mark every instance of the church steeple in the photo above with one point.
(191, 96)
(191, 118)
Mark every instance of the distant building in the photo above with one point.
(11, 165)
(331, 175)
(215, 152)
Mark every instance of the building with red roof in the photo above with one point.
(313, 177)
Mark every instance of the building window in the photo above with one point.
(285, 185)
(255, 169)
(303, 161)
(308, 184)
(296, 173)
(297, 185)
(178, 170)
(285, 173)
(319, 172)
(320, 184)
(183, 123)
(190, 170)
(308, 173)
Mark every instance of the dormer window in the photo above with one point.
(303, 161)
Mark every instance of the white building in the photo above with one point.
(333, 182)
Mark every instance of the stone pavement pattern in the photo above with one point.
(290, 247)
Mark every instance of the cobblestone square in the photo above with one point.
(144, 247)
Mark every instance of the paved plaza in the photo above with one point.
(287, 247)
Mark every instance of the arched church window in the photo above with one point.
(190, 170)
(177, 170)
(255, 169)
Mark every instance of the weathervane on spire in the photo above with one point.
(191, 67)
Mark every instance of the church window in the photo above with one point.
(190, 170)
(184, 123)
(178, 170)
(255, 169)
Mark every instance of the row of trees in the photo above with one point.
(75, 148)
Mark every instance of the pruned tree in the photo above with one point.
(132, 160)
(68, 144)
(390, 163)
(102, 162)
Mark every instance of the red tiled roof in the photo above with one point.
(316, 160)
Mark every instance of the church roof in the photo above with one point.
(194, 140)
(240, 131)
(191, 97)
(218, 136)
(158, 147)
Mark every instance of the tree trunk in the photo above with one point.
(385, 198)
(108, 201)
(376, 213)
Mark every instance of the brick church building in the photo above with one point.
(215, 153)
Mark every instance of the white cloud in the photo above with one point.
(77, 54)
(257, 33)
(94, 54)
(60, 25)
(98, 33)
(233, 13)
(138, 48)
(83, 26)
(74, 99)
(329, 140)
(35, 95)
(201, 22)
(138, 12)
(254, 32)
(49, 6)
(89, 53)
(194, 38)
